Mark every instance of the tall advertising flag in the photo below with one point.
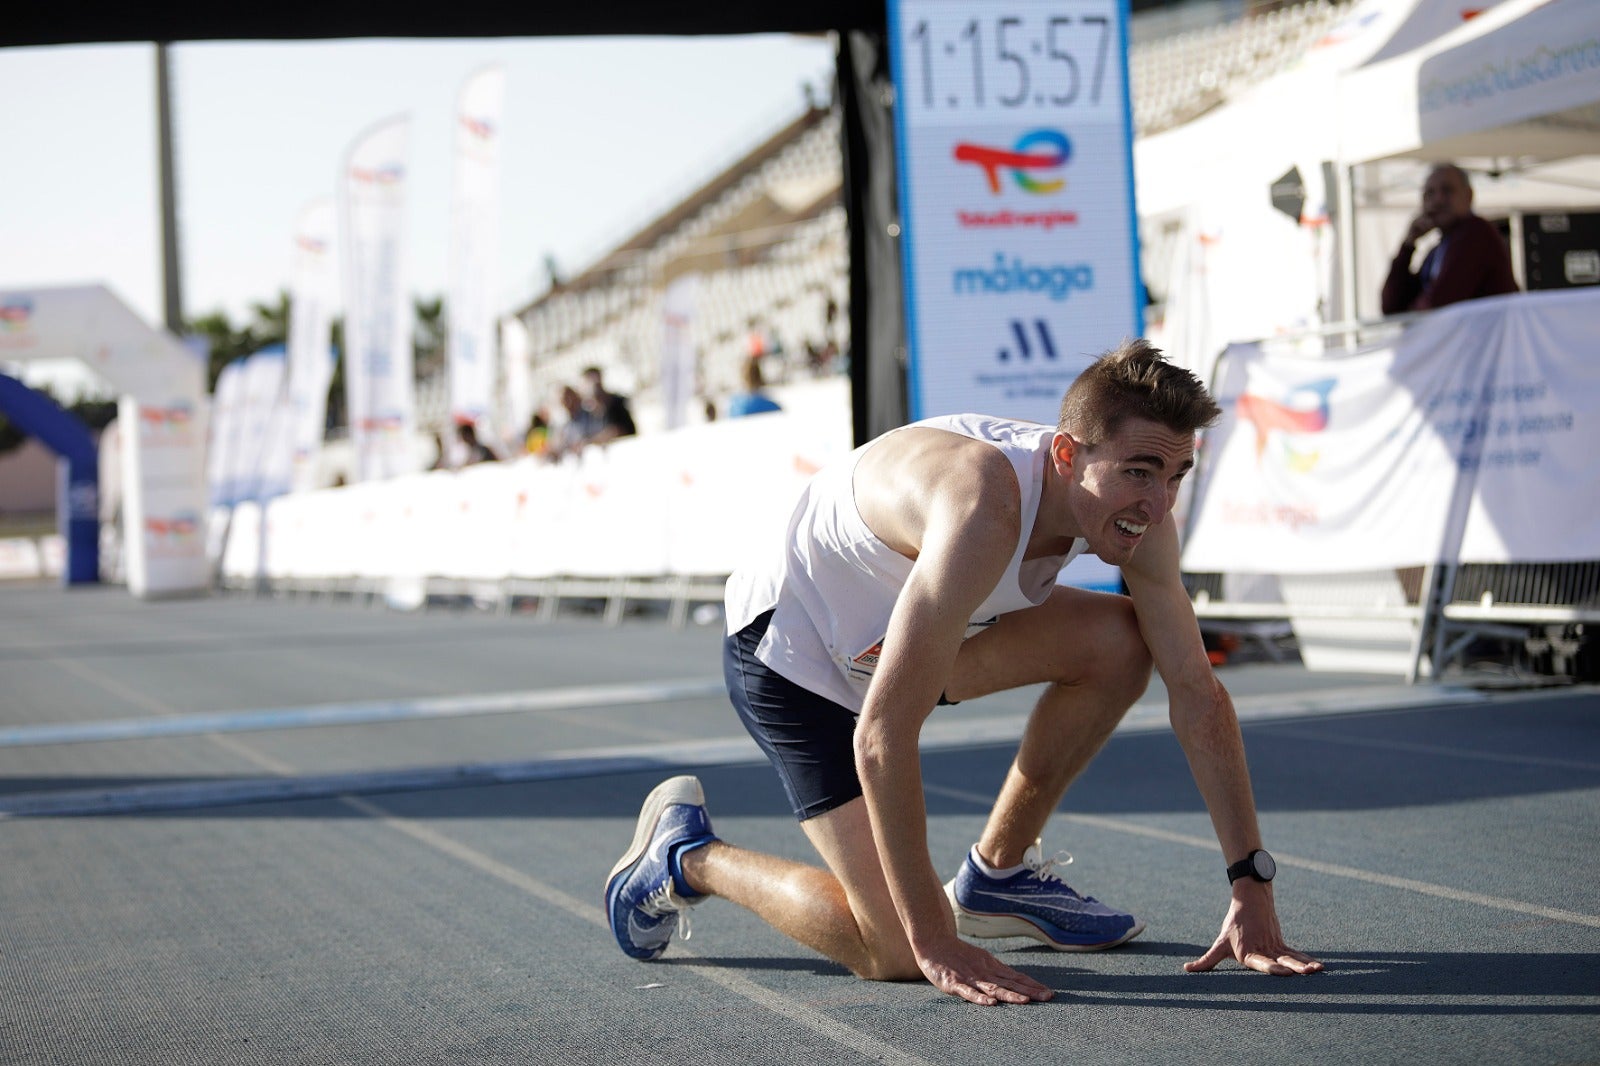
(474, 245)
(311, 288)
(1014, 144)
(677, 347)
(517, 402)
(379, 389)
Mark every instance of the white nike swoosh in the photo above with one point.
(1014, 899)
(645, 936)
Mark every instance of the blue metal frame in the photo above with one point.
(78, 487)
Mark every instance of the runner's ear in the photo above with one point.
(1063, 449)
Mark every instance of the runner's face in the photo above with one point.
(1126, 484)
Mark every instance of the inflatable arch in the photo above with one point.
(78, 488)
(162, 413)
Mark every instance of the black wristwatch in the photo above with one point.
(1258, 864)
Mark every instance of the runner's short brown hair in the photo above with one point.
(1134, 380)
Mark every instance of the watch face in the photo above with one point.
(1266, 869)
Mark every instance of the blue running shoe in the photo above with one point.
(1035, 903)
(646, 895)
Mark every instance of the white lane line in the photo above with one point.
(666, 757)
(1147, 714)
(328, 714)
(113, 686)
(189, 795)
(1117, 825)
(864, 1044)
(1301, 733)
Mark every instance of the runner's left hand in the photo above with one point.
(1251, 936)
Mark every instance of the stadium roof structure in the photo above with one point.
(90, 23)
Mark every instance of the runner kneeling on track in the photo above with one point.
(921, 570)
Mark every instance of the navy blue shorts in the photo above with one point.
(810, 739)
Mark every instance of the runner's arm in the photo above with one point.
(1207, 727)
(966, 543)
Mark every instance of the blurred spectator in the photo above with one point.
(1469, 262)
(608, 413)
(476, 450)
(537, 440)
(567, 436)
(441, 458)
(820, 357)
(753, 400)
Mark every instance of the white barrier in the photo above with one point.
(30, 557)
(672, 505)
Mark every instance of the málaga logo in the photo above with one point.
(1303, 409)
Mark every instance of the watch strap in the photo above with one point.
(1246, 867)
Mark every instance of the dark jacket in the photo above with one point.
(1471, 262)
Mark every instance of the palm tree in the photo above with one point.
(431, 334)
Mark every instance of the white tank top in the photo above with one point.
(833, 586)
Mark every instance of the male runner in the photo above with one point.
(921, 570)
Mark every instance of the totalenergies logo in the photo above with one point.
(384, 175)
(169, 535)
(166, 425)
(177, 416)
(1036, 150)
(481, 128)
(1303, 409)
(384, 425)
(15, 311)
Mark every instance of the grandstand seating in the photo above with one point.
(768, 234)
(1181, 77)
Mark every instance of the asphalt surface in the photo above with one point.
(241, 830)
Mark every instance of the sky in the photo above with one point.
(600, 135)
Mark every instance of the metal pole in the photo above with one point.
(171, 276)
(1345, 234)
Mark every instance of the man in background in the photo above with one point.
(607, 411)
(1469, 262)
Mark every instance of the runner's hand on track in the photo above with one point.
(1250, 934)
(958, 968)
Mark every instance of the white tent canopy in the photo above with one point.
(1521, 82)
(1513, 95)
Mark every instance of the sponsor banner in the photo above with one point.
(259, 429)
(1539, 64)
(517, 402)
(1537, 481)
(379, 388)
(169, 437)
(677, 347)
(88, 323)
(19, 333)
(712, 494)
(474, 246)
(310, 339)
(225, 406)
(1470, 437)
(1014, 151)
(168, 425)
